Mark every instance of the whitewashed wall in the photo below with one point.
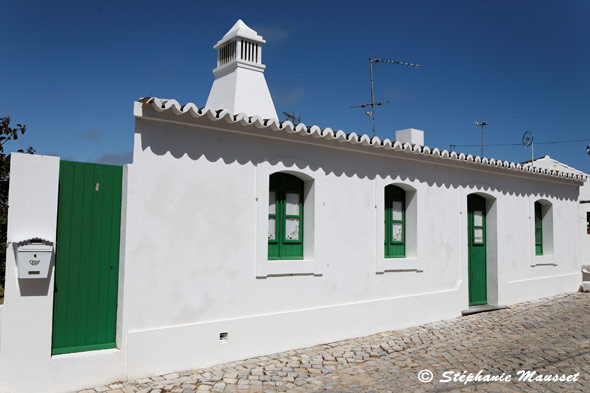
(196, 245)
(584, 198)
(195, 240)
(584, 210)
(26, 364)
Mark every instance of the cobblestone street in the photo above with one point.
(549, 336)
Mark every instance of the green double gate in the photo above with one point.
(87, 257)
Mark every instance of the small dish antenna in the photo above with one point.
(588, 150)
(528, 139)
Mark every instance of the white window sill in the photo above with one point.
(543, 260)
(398, 265)
(280, 267)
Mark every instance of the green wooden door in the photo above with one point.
(87, 257)
(476, 224)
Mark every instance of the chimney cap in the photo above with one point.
(410, 135)
(240, 29)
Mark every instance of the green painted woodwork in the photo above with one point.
(538, 228)
(87, 257)
(285, 244)
(395, 248)
(476, 224)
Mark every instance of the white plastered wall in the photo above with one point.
(584, 211)
(26, 363)
(584, 203)
(194, 243)
(206, 273)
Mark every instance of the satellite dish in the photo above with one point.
(527, 138)
(588, 150)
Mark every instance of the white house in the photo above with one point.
(584, 200)
(233, 235)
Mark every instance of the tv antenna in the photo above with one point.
(373, 103)
(482, 124)
(295, 119)
(528, 140)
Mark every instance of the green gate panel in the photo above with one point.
(87, 257)
(477, 270)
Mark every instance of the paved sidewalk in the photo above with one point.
(548, 336)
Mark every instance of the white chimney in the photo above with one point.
(410, 135)
(239, 85)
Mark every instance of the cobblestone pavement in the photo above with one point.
(549, 336)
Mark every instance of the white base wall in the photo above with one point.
(158, 351)
(174, 348)
(63, 373)
(536, 288)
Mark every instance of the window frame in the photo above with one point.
(314, 182)
(538, 225)
(414, 233)
(394, 248)
(282, 248)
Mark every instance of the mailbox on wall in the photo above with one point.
(33, 258)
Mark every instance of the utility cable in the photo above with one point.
(536, 143)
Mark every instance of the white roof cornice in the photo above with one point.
(160, 109)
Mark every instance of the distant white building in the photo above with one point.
(551, 164)
(233, 235)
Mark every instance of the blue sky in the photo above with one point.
(71, 70)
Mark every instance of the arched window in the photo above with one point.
(285, 217)
(395, 222)
(538, 228)
(543, 227)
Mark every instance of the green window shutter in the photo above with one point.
(395, 222)
(538, 228)
(285, 217)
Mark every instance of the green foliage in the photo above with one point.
(7, 134)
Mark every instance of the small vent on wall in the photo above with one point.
(223, 337)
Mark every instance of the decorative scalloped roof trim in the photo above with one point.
(540, 159)
(163, 105)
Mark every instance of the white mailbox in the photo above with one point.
(34, 256)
